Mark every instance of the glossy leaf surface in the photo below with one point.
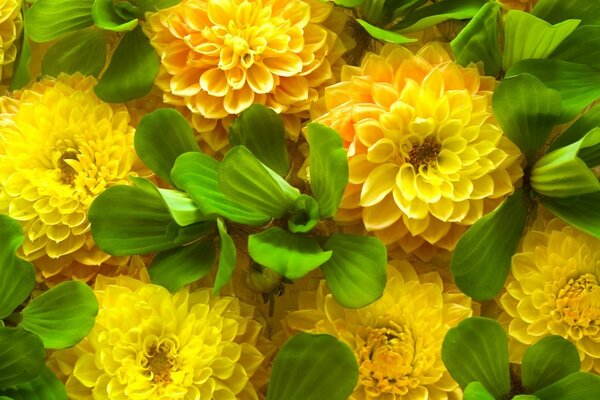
(385, 35)
(22, 356)
(227, 258)
(437, 12)
(583, 212)
(49, 19)
(555, 11)
(106, 17)
(46, 386)
(582, 46)
(81, 51)
(548, 361)
(577, 386)
(476, 391)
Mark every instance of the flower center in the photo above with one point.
(579, 301)
(425, 153)
(160, 361)
(67, 172)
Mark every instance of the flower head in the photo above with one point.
(426, 157)
(150, 344)
(555, 290)
(11, 23)
(397, 339)
(61, 147)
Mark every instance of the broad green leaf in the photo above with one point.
(582, 46)
(131, 71)
(349, 3)
(261, 131)
(548, 361)
(305, 215)
(46, 386)
(227, 258)
(556, 11)
(21, 74)
(437, 12)
(49, 19)
(478, 41)
(527, 111)
(289, 254)
(155, 5)
(578, 84)
(328, 168)
(481, 259)
(63, 315)
(583, 212)
(17, 276)
(22, 356)
(563, 173)
(527, 36)
(476, 391)
(577, 386)
(247, 181)
(313, 367)
(579, 129)
(180, 266)
(356, 271)
(385, 35)
(106, 17)
(82, 51)
(477, 351)
(198, 175)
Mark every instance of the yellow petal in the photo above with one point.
(379, 183)
(381, 215)
(260, 78)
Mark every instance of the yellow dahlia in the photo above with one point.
(60, 146)
(426, 156)
(220, 56)
(150, 344)
(11, 24)
(554, 290)
(397, 339)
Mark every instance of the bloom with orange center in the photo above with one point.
(426, 157)
(397, 339)
(555, 290)
(11, 24)
(60, 147)
(218, 57)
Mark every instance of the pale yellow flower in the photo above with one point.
(11, 25)
(426, 156)
(397, 339)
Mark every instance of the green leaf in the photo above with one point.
(289, 254)
(437, 12)
(305, 215)
(63, 315)
(527, 37)
(46, 386)
(579, 129)
(82, 51)
(328, 168)
(583, 212)
(106, 17)
(22, 356)
(578, 84)
(356, 271)
(261, 131)
(178, 267)
(582, 46)
(349, 3)
(563, 173)
(577, 386)
(313, 367)
(385, 35)
(17, 276)
(197, 174)
(49, 19)
(526, 110)
(21, 75)
(477, 351)
(548, 361)
(476, 391)
(181, 207)
(227, 258)
(131, 71)
(556, 11)
(478, 41)
(481, 260)
(525, 397)
(247, 181)
(155, 5)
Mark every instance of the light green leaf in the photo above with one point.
(583, 212)
(526, 110)
(437, 12)
(556, 11)
(476, 391)
(582, 46)
(562, 172)
(45, 386)
(305, 215)
(247, 181)
(356, 271)
(21, 75)
(197, 174)
(49, 19)
(227, 258)
(527, 37)
(106, 17)
(155, 5)
(180, 266)
(289, 254)
(481, 259)
(17, 276)
(525, 397)
(579, 129)
(131, 71)
(22, 356)
(82, 51)
(313, 367)
(261, 131)
(477, 351)
(478, 41)
(548, 361)
(577, 386)
(385, 35)
(349, 3)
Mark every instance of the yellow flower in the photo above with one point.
(11, 24)
(397, 339)
(220, 56)
(60, 146)
(150, 344)
(554, 290)
(427, 158)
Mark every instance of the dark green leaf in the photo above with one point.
(476, 391)
(289, 254)
(548, 361)
(481, 259)
(106, 17)
(131, 71)
(477, 351)
(261, 131)
(22, 356)
(385, 35)
(21, 75)
(582, 46)
(45, 386)
(155, 5)
(305, 215)
(579, 129)
(577, 386)
(313, 367)
(556, 11)
(583, 212)
(227, 258)
(48, 19)
(82, 51)
(437, 12)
